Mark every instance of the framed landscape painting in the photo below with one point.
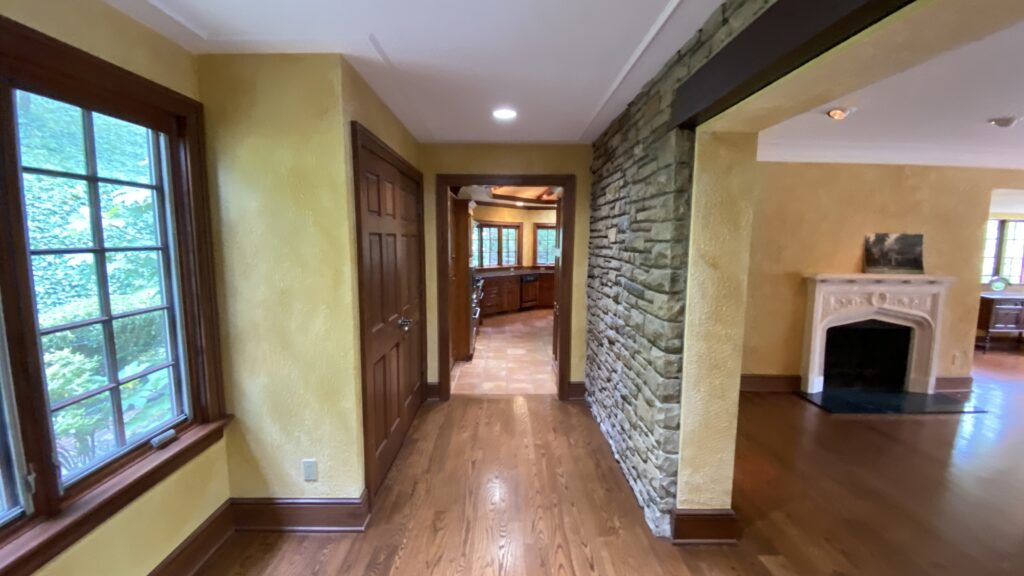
(894, 254)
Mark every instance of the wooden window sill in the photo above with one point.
(42, 539)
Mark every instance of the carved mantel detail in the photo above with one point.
(915, 301)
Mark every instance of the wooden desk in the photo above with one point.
(1001, 313)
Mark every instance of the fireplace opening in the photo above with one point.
(868, 355)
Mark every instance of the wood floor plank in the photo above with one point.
(527, 485)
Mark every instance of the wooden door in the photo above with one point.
(389, 223)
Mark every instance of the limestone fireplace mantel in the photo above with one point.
(912, 300)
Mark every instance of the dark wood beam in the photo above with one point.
(788, 35)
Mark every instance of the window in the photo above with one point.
(108, 331)
(496, 245)
(1004, 251)
(546, 245)
(101, 267)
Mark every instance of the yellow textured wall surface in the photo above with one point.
(282, 220)
(724, 195)
(279, 142)
(136, 539)
(512, 159)
(812, 218)
(99, 29)
(528, 218)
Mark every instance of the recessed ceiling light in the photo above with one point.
(840, 113)
(504, 114)
(520, 204)
(1004, 121)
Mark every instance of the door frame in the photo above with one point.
(364, 141)
(566, 389)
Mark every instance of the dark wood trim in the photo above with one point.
(30, 60)
(189, 556)
(433, 390)
(308, 515)
(301, 514)
(364, 141)
(553, 203)
(513, 207)
(769, 383)
(704, 527)
(787, 35)
(444, 182)
(577, 390)
(48, 537)
(954, 384)
(501, 225)
(790, 383)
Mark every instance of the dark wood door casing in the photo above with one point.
(563, 288)
(392, 307)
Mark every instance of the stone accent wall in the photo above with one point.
(636, 280)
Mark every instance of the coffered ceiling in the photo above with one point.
(569, 67)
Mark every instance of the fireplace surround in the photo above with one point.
(912, 300)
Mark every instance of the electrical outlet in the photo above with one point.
(309, 470)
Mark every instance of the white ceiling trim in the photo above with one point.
(887, 153)
(641, 48)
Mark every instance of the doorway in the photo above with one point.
(392, 306)
(505, 284)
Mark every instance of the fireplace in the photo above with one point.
(901, 311)
(867, 355)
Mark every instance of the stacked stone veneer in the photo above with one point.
(636, 280)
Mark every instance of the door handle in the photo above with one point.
(404, 324)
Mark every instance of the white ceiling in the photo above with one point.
(934, 114)
(568, 66)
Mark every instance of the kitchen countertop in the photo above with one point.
(516, 272)
(1003, 295)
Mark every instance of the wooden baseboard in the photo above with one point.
(200, 545)
(577, 390)
(300, 514)
(433, 390)
(704, 527)
(954, 384)
(264, 515)
(769, 383)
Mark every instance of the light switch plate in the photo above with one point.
(309, 470)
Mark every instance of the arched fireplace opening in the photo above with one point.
(869, 355)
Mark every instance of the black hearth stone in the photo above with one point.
(854, 401)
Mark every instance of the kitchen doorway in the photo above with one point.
(504, 290)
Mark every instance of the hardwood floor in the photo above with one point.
(513, 356)
(527, 485)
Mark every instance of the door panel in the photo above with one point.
(389, 214)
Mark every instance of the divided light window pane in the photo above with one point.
(509, 246)
(1013, 252)
(545, 246)
(988, 259)
(102, 274)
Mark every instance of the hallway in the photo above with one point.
(513, 356)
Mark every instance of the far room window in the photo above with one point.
(496, 245)
(547, 249)
(1004, 251)
(103, 274)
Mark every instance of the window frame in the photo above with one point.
(1001, 245)
(34, 62)
(501, 226)
(536, 244)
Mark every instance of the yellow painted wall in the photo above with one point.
(136, 539)
(99, 29)
(512, 159)
(280, 155)
(528, 218)
(812, 218)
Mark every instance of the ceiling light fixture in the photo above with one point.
(520, 204)
(504, 114)
(840, 114)
(1004, 121)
